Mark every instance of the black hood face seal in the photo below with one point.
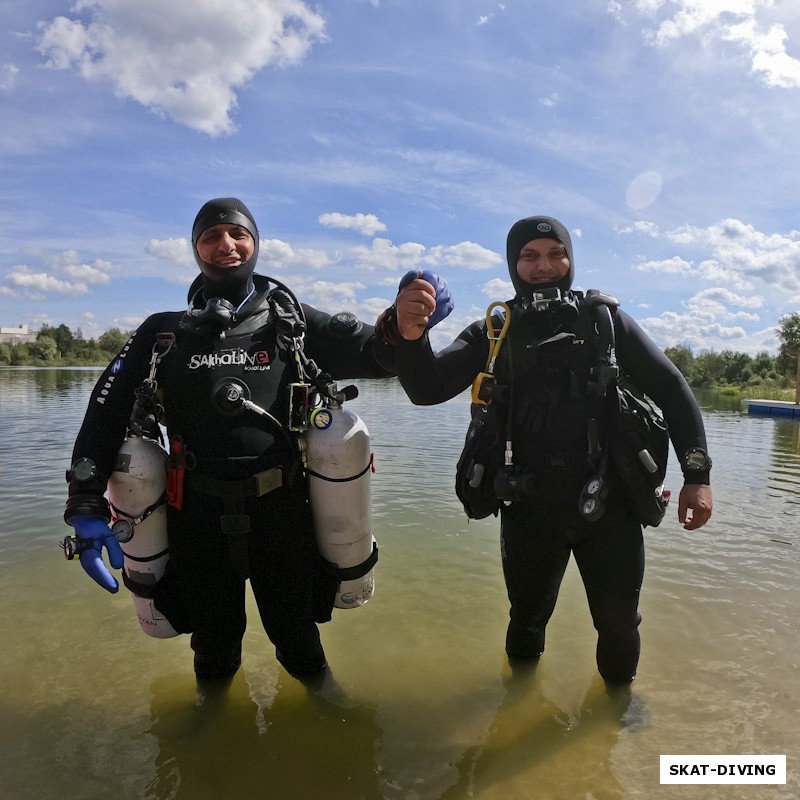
(233, 282)
(526, 230)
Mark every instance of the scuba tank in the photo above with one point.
(338, 461)
(334, 445)
(136, 491)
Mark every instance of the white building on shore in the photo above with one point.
(18, 335)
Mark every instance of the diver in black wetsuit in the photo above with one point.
(552, 348)
(237, 333)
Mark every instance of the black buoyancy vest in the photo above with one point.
(196, 379)
(547, 365)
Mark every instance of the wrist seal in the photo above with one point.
(86, 505)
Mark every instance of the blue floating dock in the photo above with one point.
(773, 408)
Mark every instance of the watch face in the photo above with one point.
(696, 460)
(84, 469)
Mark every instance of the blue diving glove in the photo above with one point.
(444, 302)
(93, 535)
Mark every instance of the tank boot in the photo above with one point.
(524, 643)
(301, 653)
(303, 664)
(217, 666)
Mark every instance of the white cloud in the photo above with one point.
(387, 256)
(692, 15)
(740, 21)
(463, 254)
(368, 224)
(91, 273)
(768, 54)
(184, 60)
(21, 282)
(279, 254)
(743, 254)
(8, 77)
(178, 251)
(328, 294)
(498, 288)
(642, 226)
(66, 275)
(674, 265)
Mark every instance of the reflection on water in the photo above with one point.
(421, 703)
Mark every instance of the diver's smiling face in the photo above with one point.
(542, 261)
(225, 245)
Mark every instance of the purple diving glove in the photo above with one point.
(444, 302)
(93, 535)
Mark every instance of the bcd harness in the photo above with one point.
(636, 440)
(311, 390)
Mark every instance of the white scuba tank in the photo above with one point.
(339, 462)
(136, 484)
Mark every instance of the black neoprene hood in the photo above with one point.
(225, 211)
(526, 230)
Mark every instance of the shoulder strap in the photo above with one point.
(606, 370)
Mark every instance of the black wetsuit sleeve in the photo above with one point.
(651, 370)
(429, 378)
(349, 356)
(110, 404)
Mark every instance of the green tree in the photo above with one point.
(19, 355)
(734, 365)
(112, 341)
(789, 336)
(683, 358)
(762, 364)
(5, 353)
(709, 368)
(44, 348)
(62, 336)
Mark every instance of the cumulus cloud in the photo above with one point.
(497, 287)
(330, 296)
(740, 21)
(743, 254)
(642, 226)
(387, 256)
(383, 254)
(66, 275)
(279, 254)
(695, 330)
(182, 60)
(368, 224)
(21, 282)
(720, 295)
(8, 77)
(178, 251)
(464, 254)
(768, 53)
(673, 266)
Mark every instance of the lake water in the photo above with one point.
(423, 705)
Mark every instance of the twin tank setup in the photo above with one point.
(335, 449)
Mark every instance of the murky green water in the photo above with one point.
(423, 705)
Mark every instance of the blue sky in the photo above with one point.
(370, 137)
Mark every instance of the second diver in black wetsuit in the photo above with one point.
(551, 348)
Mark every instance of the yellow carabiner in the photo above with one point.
(484, 383)
(496, 337)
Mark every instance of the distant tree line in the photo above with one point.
(729, 368)
(61, 347)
